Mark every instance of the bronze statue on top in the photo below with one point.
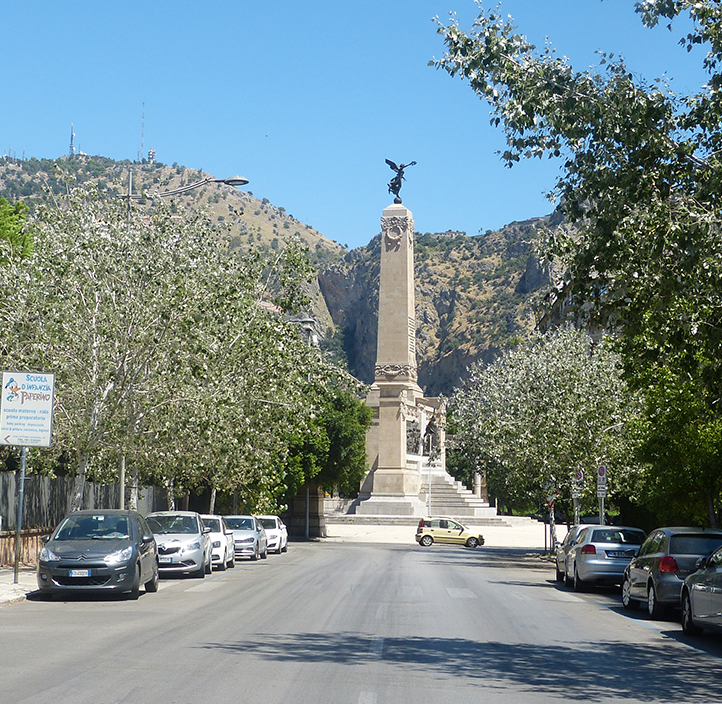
(395, 183)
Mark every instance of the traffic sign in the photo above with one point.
(26, 409)
(601, 476)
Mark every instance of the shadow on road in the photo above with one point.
(604, 671)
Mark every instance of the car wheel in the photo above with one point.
(222, 565)
(209, 564)
(265, 554)
(285, 548)
(151, 586)
(135, 589)
(232, 561)
(627, 601)
(567, 579)
(654, 608)
(472, 542)
(688, 625)
(560, 575)
(579, 585)
(200, 573)
(426, 541)
(280, 549)
(254, 557)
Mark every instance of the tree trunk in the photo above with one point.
(133, 488)
(711, 513)
(76, 501)
(169, 493)
(212, 507)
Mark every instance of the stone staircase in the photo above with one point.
(451, 498)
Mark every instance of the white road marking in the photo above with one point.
(376, 647)
(460, 593)
(367, 698)
(410, 593)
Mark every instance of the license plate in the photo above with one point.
(618, 553)
(165, 560)
(79, 573)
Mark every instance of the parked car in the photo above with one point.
(249, 537)
(276, 533)
(102, 550)
(223, 553)
(183, 543)
(666, 558)
(563, 549)
(701, 599)
(601, 554)
(446, 530)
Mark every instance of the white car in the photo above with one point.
(223, 549)
(183, 543)
(276, 533)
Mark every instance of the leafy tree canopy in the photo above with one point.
(15, 238)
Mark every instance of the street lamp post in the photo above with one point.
(230, 181)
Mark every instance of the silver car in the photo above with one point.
(249, 537)
(701, 599)
(183, 543)
(601, 554)
(564, 548)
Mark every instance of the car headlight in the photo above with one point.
(216, 543)
(119, 556)
(48, 556)
(245, 541)
(193, 546)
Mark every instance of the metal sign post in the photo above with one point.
(601, 490)
(26, 420)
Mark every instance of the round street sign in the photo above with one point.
(579, 476)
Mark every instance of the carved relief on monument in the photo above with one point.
(412, 336)
(391, 372)
(395, 228)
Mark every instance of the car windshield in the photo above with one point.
(213, 523)
(615, 535)
(269, 523)
(240, 523)
(95, 527)
(172, 524)
(694, 544)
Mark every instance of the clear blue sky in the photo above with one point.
(304, 98)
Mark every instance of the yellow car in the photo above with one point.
(446, 530)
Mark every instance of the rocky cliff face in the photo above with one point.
(474, 296)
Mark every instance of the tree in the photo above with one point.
(641, 178)
(162, 348)
(16, 240)
(543, 411)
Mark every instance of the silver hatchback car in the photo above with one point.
(184, 546)
(249, 537)
(600, 554)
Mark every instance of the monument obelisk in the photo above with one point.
(392, 487)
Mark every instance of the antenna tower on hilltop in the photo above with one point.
(72, 134)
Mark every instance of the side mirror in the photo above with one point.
(147, 538)
(45, 539)
(206, 530)
(701, 563)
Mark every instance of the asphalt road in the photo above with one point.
(355, 624)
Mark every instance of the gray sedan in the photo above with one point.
(701, 599)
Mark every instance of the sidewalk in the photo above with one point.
(11, 592)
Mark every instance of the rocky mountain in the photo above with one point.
(474, 295)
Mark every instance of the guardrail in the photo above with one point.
(30, 546)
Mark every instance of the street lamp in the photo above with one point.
(230, 181)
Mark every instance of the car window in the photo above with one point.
(240, 523)
(436, 523)
(716, 558)
(615, 535)
(213, 523)
(145, 528)
(648, 544)
(443, 524)
(455, 526)
(694, 544)
(93, 527)
(269, 523)
(171, 523)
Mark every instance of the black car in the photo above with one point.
(101, 550)
(666, 558)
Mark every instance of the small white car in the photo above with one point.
(276, 533)
(183, 543)
(221, 536)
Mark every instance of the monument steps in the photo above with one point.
(451, 498)
(383, 520)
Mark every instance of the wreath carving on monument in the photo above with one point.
(394, 370)
(395, 228)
